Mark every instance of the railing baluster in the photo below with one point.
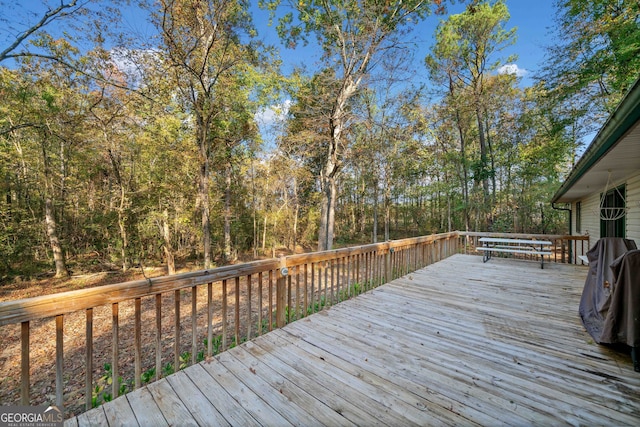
(137, 345)
(313, 283)
(290, 312)
(322, 285)
(298, 292)
(333, 281)
(236, 326)
(59, 361)
(281, 297)
(224, 314)
(158, 336)
(248, 307)
(270, 300)
(115, 372)
(88, 361)
(326, 284)
(209, 319)
(194, 324)
(260, 303)
(358, 276)
(176, 322)
(338, 279)
(349, 287)
(306, 291)
(25, 379)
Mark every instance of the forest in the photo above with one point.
(120, 151)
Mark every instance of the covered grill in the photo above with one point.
(610, 303)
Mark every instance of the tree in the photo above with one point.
(461, 60)
(63, 10)
(353, 36)
(50, 112)
(202, 44)
(594, 60)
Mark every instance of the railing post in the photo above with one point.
(281, 293)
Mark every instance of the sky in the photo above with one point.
(532, 19)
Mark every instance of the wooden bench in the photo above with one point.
(515, 246)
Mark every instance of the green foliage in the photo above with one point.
(102, 391)
(121, 159)
(594, 59)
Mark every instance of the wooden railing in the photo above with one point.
(224, 306)
(566, 249)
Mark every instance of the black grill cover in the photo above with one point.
(622, 323)
(602, 306)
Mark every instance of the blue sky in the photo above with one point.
(532, 19)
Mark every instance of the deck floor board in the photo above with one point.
(460, 342)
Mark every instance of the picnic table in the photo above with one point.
(516, 246)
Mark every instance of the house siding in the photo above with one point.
(633, 214)
(591, 212)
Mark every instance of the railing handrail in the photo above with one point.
(312, 281)
(33, 308)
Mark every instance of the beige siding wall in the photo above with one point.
(633, 214)
(591, 215)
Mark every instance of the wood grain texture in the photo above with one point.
(456, 343)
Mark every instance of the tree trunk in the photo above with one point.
(264, 235)
(375, 212)
(327, 214)
(50, 220)
(122, 218)
(56, 248)
(203, 193)
(227, 213)
(168, 248)
(123, 236)
(463, 162)
(296, 213)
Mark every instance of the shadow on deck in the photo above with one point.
(456, 343)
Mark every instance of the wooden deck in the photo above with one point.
(457, 343)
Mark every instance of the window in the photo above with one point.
(614, 199)
(578, 217)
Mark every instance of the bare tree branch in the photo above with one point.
(46, 19)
